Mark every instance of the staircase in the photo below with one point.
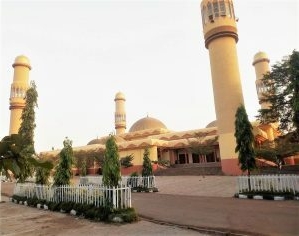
(269, 170)
(190, 169)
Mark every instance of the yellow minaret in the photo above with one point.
(220, 34)
(120, 113)
(261, 65)
(18, 90)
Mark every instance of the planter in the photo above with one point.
(296, 198)
(39, 206)
(73, 212)
(278, 198)
(258, 197)
(46, 207)
(75, 171)
(243, 196)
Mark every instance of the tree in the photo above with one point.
(282, 92)
(12, 160)
(26, 132)
(111, 165)
(127, 161)
(63, 171)
(42, 175)
(147, 169)
(276, 151)
(245, 140)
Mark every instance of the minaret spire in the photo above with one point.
(120, 113)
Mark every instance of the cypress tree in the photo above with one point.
(147, 169)
(245, 140)
(111, 164)
(63, 171)
(26, 132)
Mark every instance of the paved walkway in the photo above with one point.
(206, 205)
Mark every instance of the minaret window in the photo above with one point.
(216, 8)
(228, 9)
(204, 15)
(210, 11)
(233, 12)
(222, 8)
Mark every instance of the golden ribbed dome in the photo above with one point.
(147, 123)
(104, 139)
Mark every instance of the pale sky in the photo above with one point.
(83, 52)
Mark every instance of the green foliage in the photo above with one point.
(26, 132)
(245, 140)
(89, 156)
(127, 161)
(42, 175)
(88, 211)
(282, 85)
(201, 145)
(111, 165)
(282, 147)
(83, 168)
(147, 169)
(63, 171)
(128, 215)
(12, 160)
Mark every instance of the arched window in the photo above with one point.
(203, 15)
(216, 8)
(228, 10)
(210, 11)
(222, 8)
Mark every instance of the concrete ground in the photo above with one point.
(204, 204)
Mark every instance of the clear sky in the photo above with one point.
(83, 52)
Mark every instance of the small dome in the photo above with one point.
(22, 60)
(147, 123)
(212, 124)
(260, 56)
(120, 96)
(104, 139)
(97, 141)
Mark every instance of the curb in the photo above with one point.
(261, 197)
(205, 230)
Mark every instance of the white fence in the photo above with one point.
(129, 181)
(120, 197)
(273, 183)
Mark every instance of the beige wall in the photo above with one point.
(138, 154)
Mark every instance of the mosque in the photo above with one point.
(220, 34)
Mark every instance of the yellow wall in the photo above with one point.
(138, 154)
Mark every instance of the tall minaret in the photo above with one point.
(19, 87)
(120, 113)
(220, 34)
(261, 65)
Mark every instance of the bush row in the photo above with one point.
(89, 211)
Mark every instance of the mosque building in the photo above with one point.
(220, 34)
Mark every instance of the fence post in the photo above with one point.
(114, 197)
